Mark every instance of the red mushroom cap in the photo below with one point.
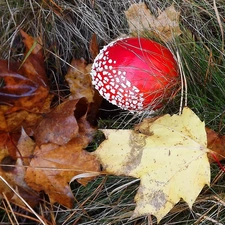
(134, 73)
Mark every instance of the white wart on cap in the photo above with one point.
(135, 73)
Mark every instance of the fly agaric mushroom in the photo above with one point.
(135, 73)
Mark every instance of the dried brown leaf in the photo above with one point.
(94, 48)
(24, 86)
(79, 80)
(165, 26)
(60, 125)
(216, 143)
(12, 122)
(13, 170)
(54, 166)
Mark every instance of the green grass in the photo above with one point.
(66, 28)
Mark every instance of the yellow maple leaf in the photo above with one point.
(165, 26)
(169, 157)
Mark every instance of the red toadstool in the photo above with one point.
(135, 73)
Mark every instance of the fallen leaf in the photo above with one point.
(3, 123)
(5, 163)
(79, 80)
(53, 167)
(60, 125)
(8, 143)
(170, 159)
(12, 122)
(216, 143)
(93, 47)
(13, 170)
(25, 148)
(24, 86)
(34, 58)
(141, 21)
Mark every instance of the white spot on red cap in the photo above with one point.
(120, 94)
(106, 79)
(123, 78)
(99, 76)
(136, 89)
(114, 102)
(117, 79)
(100, 84)
(128, 83)
(121, 90)
(107, 96)
(124, 86)
(100, 56)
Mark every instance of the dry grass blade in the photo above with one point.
(10, 210)
(40, 219)
(220, 25)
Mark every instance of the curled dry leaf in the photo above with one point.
(24, 86)
(60, 125)
(50, 166)
(141, 21)
(25, 148)
(13, 170)
(79, 80)
(12, 122)
(169, 157)
(24, 91)
(53, 166)
(216, 143)
(94, 48)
